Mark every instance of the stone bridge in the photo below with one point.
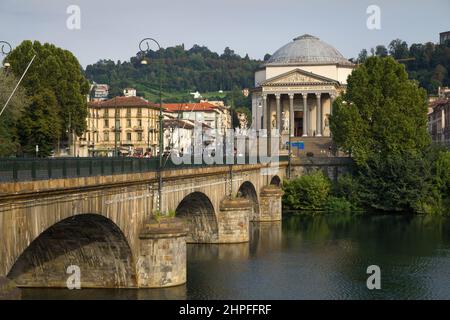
(107, 226)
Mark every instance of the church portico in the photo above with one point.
(295, 89)
(287, 114)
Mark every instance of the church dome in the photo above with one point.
(307, 50)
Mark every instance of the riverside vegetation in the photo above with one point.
(381, 121)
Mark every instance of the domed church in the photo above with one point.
(295, 88)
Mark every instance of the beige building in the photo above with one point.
(128, 125)
(439, 121)
(295, 88)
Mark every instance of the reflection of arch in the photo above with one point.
(275, 181)
(198, 210)
(247, 190)
(92, 242)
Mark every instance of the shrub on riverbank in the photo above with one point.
(308, 192)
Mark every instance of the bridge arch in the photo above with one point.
(92, 242)
(247, 190)
(276, 181)
(201, 219)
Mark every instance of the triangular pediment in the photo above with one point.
(298, 76)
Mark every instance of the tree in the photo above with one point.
(362, 57)
(9, 140)
(382, 121)
(398, 49)
(40, 124)
(55, 73)
(381, 51)
(382, 112)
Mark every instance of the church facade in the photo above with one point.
(294, 90)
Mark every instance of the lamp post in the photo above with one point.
(5, 47)
(144, 47)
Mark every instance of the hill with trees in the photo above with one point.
(183, 71)
(428, 64)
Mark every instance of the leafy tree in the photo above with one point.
(54, 74)
(382, 121)
(9, 140)
(398, 49)
(40, 124)
(382, 112)
(381, 51)
(362, 57)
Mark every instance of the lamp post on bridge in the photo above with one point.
(5, 49)
(144, 51)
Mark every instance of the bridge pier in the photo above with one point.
(162, 254)
(234, 217)
(270, 208)
(8, 290)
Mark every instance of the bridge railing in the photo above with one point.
(26, 169)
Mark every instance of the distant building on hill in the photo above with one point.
(444, 36)
(439, 121)
(99, 92)
(129, 92)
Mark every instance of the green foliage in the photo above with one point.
(338, 205)
(394, 182)
(9, 139)
(348, 187)
(182, 71)
(171, 213)
(55, 78)
(308, 192)
(40, 123)
(382, 121)
(382, 112)
(428, 64)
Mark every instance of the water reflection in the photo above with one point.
(311, 257)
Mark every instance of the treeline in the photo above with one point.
(195, 69)
(428, 64)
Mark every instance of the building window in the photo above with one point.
(139, 136)
(139, 112)
(117, 136)
(106, 123)
(106, 136)
(106, 113)
(128, 136)
(139, 122)
(128, 113)
(117, 112)
(128, 123)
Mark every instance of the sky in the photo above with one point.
(112, 29)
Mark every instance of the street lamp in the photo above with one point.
(144, 47)
(5, 49)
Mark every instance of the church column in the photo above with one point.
(305, 114)
(265, 112)
(318, 116)
(278, 126)
(291, 114)
(332, 97)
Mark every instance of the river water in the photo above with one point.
(310, 257)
